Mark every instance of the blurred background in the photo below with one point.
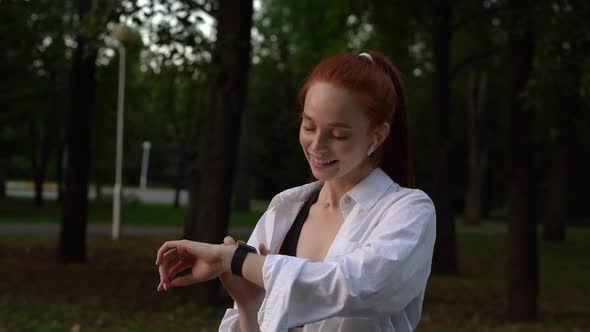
(127, 123)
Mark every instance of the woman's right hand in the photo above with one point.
(246, 294)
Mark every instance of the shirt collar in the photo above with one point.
(366, 193)
(297, 194)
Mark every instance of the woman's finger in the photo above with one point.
(178, 267)
(162, 270)
(166, 247)
(229, 240)
(169, 256)
(167, 260)
(181, 281)
(262, 249)
(241, 242)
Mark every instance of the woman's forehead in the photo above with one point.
(327, 103)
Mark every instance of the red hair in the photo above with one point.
(376, 85)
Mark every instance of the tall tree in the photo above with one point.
(523, 274)
(560, 60)
(72, 240)
(2, 178)
(555, 211)
(445, 255)
(242, 190)
(211, 188)
(445, 23)
(53, 24)
(34, 60)
(476, 96)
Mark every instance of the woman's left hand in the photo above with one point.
(205, 261)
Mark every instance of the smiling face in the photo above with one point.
(334, 133)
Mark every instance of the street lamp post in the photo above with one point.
(144, 164)
(124, 35)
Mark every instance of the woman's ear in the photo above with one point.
(382, 133)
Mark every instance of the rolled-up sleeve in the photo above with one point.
(378, 277)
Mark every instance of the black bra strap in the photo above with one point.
(289, 246)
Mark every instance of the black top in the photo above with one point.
(289, 246)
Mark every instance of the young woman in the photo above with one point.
(349, 252)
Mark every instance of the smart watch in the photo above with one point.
(238, 258)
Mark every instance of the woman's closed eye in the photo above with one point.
(339, 137)
(334, 136)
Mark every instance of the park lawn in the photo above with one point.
(115, 291)
(19, 210)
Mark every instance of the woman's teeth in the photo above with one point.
(323, 162)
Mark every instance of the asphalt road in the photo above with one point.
(149, 195)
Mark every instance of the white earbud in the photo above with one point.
(371, 150)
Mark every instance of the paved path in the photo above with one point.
(150, 195)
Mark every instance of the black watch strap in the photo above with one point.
(238, 258)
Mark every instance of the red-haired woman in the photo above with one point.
(349, 252)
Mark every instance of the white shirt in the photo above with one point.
(374, 275)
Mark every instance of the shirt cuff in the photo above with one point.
(278, 273)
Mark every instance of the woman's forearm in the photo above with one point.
(252, 268)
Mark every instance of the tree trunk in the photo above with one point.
(242, 179)
(477, 151)
(72, 240)
(523, 275)
(38, 184)
(180, 174)
(43, 131)
(2, 177)
(554, 219)
(60, 171)
(211, 190)
(177, 190)
(445, 255)
(98, 190)
(35, 162)
(41, 171)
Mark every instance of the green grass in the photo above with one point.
(115, 291)
(18, 210)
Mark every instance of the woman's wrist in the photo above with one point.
(226, 253)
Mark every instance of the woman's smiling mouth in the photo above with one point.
(323, 163)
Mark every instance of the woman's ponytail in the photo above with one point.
(397, 159)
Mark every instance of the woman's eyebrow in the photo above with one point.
(334, 124)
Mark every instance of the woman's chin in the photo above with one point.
(324, 174)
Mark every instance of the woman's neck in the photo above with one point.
(334, 189)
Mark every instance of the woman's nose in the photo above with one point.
(318, 143)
